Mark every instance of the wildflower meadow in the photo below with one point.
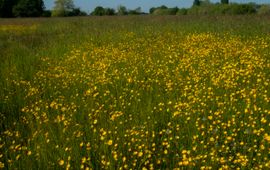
(136, 92)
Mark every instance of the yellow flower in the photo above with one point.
(110, 142)
(61, 162)
(68, 166)
(2, 165)
(18, 157)
(267, 137)
(185, 163)
(83, 160)
(229, 138)
(263, 120)
(29, 153)
(176, 113)
(165, 151)
(88, 92)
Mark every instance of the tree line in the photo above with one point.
(206, 7)
(21, 8)
(62, 8)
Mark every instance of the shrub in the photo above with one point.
(165, 11)
(241, 9)
(264, 10)
(122, 10)
(197, 10)
(136, 11)
(182, 11)
(220, 9)
(173, 11)
(109, 11)
(152, 10)
(28, 8)
(98, 11)
(77, 12)
(47, 13)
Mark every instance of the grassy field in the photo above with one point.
(144, 92)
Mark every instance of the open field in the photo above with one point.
(144, 92)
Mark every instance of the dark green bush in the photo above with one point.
(182, 11)
(264, 10)
(47, 13)
(98, 11)
(221, 9)
(240, 9)
(76, 12)
(166, 11)
(109, 11)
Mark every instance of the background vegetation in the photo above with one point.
(66, 8)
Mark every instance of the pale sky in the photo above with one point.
(89, 5)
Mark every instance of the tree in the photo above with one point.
(163, 7)
(109, 11)
(122, 10)
(47, 13)
(6, 7)
(28, 8)
(225, 1)
(98, 11)
(76, 12)
(173, 11)
(196, 3)
(152, 10)
(62, 7)
(136, 11)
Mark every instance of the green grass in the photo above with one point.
(154, 92)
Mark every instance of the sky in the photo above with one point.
(89, 5)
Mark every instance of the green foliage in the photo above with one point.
(241, 9)
(163, 7)
(122, 10)
(135, 11)
(195, 10)
(47, 13)
(28, 8)
(205, 3)
(205, 7)
(196, 3)
(182, 11)
(264, 10)
(21, 8)
(62, 8)
(160, 12)
(98, 11)
(225, 1)
(164, 10)
(152, 10)
(109, 11)
(6, 7)
(172, 11)
(221, 9)
(77, 12)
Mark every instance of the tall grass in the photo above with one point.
(141, 92)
